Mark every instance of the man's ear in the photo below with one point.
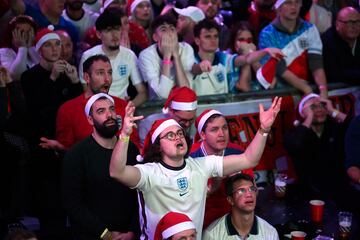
(86, 77)
(230, 200)
(98, 34)
(202, 135)
(197, 41)
(155, 37)
(90, 120)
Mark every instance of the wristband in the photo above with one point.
(263, 132)
(124, 138)
(334, 113)
(166, 61)
(322, 87)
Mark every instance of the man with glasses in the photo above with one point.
(316, 146)
(341, 48)
(181, 106)
(241, 222)
(300, 41)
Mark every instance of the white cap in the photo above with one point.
(93, 99)
(278, 3)
(194, 13)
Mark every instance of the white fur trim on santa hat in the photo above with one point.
(205, 118)
(177, 228)
(278, 3)
(183, 106)
(162, 127)
(304, 100)
(135, 3)
(93, 99)
(46, 37)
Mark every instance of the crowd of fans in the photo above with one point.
(69, 68)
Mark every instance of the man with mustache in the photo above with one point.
(71, 124)
(98, 206)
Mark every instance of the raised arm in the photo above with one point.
(251, 157)
(126, 174)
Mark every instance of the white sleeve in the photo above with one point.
(15, 64)
(150, 69)
(315, 44)
(213, 165)
(134, 72)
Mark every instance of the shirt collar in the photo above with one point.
(232, 230)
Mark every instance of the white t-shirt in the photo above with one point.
(123, 67)
(150, 66)
(163, 189)
(84, 24)
(93, 7)
(223, 229)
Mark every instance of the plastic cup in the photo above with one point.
(280, 186)
(298, 235)
(317, 209)
(345, 220)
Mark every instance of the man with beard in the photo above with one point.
(123, 60)
(241, 222)
(186, 21)
(71, 124)
(98, 206)
(83, 20)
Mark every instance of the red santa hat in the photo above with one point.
(172, 223)
(278, 3)
(181, 98)
(265, 75)
(156, 129)
(132, 4)
(304, 100)
(44, 35)
(201, 120)
(93, 99)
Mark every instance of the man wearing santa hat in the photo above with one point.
(181, 105)
(212, 138)
(175, 226)
(99, 207)
(300, 42)
(170, 180)
(318, 141)
(46, 86)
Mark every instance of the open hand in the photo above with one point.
(129, 119)
(268, 117)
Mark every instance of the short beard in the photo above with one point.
(104, 131)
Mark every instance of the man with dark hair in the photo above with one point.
(212, 138)
(97, 205)
(241, 222)
(167, 63)
(71, 123)
(214, 69)
(123, 60)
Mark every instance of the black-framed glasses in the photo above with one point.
(172, 136)
(355, 23)
(241, 191)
